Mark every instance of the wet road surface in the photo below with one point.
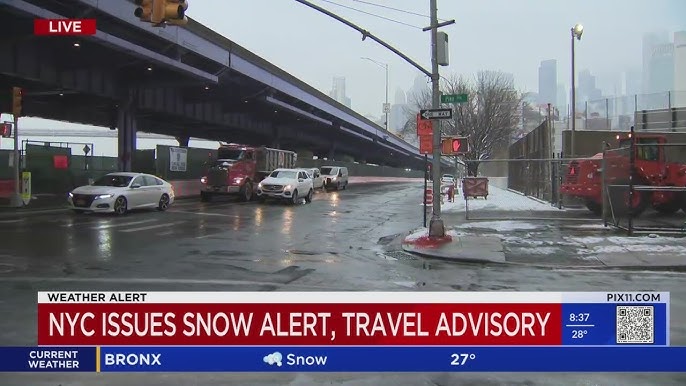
(344, 240)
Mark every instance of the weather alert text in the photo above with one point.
(209, 319)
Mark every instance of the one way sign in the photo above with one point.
(436, 114)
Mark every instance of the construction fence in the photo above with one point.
(644, 185)
(656, 111)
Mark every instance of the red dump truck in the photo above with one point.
(238, 169)
(583, 178)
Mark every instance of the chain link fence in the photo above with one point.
(644, 184)
(525, 188)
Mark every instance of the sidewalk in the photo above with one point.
(549, 245)
(40, 204)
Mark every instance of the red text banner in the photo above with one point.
(299, 324)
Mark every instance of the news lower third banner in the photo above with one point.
(353, 319)
(342, 359)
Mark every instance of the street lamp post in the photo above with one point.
(577, 31)
(386, 106)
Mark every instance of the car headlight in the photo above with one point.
(237, 180)
(102, 196)
(203, 180)
(287, 187)
(259, 185)
(334, 179)
(71, 195)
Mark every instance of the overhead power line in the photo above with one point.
(394, 9)
(371, 14)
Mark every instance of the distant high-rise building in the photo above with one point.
(658, 63)
(586, 88)
(419, 87)
(547, 82)
(680, 69)
(338, 91)
(561, 100)
(398, 115)
(650, 40)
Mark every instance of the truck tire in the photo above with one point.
(619, 199)
(205, 197)
(594, 207)
(246, 192)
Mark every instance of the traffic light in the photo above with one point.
(144, 10)
(17, 96)
(6, 130)
(454, 145)
(169, 11)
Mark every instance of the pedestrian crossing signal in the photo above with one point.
(454, 145)
(6, 130)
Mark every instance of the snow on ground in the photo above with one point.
(538, 250)
(417, 234)
(500, 226)
(498, 200)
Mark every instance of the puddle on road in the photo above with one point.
(7, 268)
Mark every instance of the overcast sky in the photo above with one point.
(508, 35)
(512, 36)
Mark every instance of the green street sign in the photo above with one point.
(454, 98)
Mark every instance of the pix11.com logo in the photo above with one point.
(64, 27)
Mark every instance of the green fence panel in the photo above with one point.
(197, 161)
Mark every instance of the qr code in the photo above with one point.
(635, 324)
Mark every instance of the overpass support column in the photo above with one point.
(276, 136)
(332, 153)
(127, 126)
(183, 141)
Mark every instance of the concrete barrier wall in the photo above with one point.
(356, 169)
(191, 188)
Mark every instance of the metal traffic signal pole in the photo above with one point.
(436, 226)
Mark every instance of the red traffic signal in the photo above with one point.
(454, 145)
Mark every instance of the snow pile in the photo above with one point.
(538, 250)
(417, 234)
(500, 226)
(498, 200)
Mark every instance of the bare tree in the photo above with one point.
(416, 102)
(489, 117)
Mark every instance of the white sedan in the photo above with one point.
(287, 184)
(119, 192)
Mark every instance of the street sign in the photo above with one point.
(426, 144)
(454, 98)
(436, 114)
(86, 149)
(424, 127)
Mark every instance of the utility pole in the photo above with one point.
(436, 226)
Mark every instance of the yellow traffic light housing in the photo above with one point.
(17, 96)
(169, 11)
(144, 10)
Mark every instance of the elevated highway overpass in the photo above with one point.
(176, 81)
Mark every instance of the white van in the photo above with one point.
(335, 177)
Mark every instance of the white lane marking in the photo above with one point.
(116, 225)
(152, 227)
(10, 221)
(210, 235)
(167, 233)
(208, 214)
(77, 223)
